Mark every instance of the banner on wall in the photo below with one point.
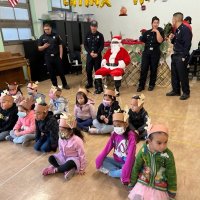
(87, 3)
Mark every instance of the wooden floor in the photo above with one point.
(20, 168)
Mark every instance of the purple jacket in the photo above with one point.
(71, 149)
(124, 152)
(85, 111)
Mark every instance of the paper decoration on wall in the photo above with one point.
(87, 3)
(123, 11)
(135, 2)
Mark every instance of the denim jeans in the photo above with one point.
(3, 135)
(103, 128)
(114, 167)
(84, 124)
(21, 139)
(43, 144)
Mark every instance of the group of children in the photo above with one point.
(150, 176)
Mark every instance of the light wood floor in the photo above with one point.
(20, 168)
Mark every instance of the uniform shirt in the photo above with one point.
(150, 39)
(94, 42)
(182, 40)
(54, 40)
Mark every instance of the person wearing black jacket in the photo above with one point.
(182, 40)
(46, 129)
(8, 115)
(104, 122)
(138, 118)
(151, 54)
(94, 44)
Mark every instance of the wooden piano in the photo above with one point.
(11, 68)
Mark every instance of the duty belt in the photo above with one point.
(111, 64)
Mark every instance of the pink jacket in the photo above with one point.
(26, 125)
(124, 152)
(85, 111)
(71, 149)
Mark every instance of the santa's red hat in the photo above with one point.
(117, 38)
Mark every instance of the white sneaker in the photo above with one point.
(69, 174)
(103, 170)
(93, 131)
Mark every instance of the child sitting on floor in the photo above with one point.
(154, 173)
(8, 114)
(24, 130)
(15, 92)
(32, 89)
(46, 128)
(138, 116)
(84, 111)
(123, 141)
(104, 123)
(58, 104)
(71, 155)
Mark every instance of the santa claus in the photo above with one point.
(114, 63)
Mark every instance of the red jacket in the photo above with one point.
(122, 55)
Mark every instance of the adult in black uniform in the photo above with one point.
(94, 44)
(151, 54)
(51, 44)
(182, 43)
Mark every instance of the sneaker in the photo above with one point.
(93, 131)
(69, 174)
(9, 138)
(103, 170)
(26, 143)
(49, 170)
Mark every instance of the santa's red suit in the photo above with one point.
(114, 63)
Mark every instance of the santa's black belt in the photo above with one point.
(111, 64)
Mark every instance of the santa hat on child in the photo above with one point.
(27, 103)
(157, 128)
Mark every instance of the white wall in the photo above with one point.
(131, 25)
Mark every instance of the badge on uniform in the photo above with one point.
(54, 37)
(151, 48)
(98, 36)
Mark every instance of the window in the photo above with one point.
(15, 23)
(58, 5)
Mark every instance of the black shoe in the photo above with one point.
(98, 91)
(150, 88)
(66, 87)
(184, 96)
(172, 93)
(88, 86)
(140, 89)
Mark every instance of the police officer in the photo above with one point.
(182, 43)
(94, 44)
(151, 54)
(51, 44)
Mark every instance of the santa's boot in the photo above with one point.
(117, 86)
(98, 86)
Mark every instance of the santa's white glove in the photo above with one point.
(121, 64)
(103, 63)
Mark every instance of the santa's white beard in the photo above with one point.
(115, 48)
